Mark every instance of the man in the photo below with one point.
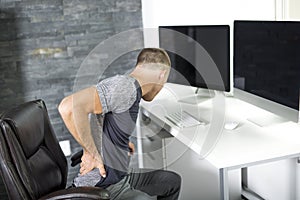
(117, 100)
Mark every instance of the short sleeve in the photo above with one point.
(117, 94)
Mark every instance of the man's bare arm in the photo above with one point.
(74, 110)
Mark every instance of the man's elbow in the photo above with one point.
(65, 108)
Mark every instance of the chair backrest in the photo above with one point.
(32, 162)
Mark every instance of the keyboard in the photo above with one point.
(183, 119)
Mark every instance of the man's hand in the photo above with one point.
(132, 148)
(88, 163)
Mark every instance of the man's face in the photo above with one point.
(161, 81)
(157, 88)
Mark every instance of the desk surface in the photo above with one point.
(247, 145)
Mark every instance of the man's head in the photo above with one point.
(154, 59)
(154, 56)
(152, 68)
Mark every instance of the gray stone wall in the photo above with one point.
(44, 42)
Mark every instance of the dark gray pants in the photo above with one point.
(142, 184)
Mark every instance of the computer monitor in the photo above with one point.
(200, 55)
(267, 65)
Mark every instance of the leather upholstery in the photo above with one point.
(80, 193)
(32, 162)
(76, 158)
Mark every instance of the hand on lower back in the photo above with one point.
(88, 163)
(132, 148)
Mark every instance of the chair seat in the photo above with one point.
(78, 193)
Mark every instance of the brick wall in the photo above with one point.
(44, 42)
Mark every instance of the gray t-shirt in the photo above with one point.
(120, 96)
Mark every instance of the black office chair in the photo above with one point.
(33, 165)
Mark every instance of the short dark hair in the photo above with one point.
(153, 55)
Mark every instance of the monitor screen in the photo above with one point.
(200, 55)
(267, 60)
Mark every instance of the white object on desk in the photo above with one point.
(183, 119)
(231, 125)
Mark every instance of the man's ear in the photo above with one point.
(162, 74)
(138, 66)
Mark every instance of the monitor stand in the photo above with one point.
(200, 96)
(267, 119)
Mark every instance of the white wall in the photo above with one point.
(204, 12)
(292, 8)
(178, 12)
(198, 12)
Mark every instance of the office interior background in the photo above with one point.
(43, 43)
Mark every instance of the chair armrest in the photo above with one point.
(78, 193)
(76, 158)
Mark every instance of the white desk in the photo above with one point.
(242, 147)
